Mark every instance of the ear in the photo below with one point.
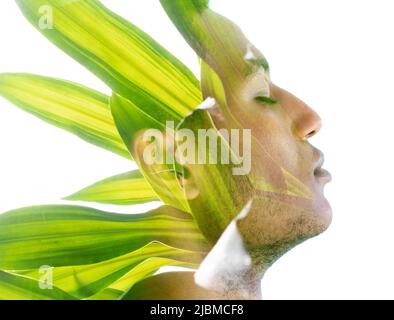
(150, 155)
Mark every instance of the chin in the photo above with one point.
(313, 221)
(325, 213)
(322, 211)
(321, 219)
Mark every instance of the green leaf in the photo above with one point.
(123, 189)
(211, 84)
(75, 108)
(16, 287)
(145, 269)
(221, 194)
(84, 281)
(130, 120)
(127, 59)
(72, 235)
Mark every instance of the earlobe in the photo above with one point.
(187, 182)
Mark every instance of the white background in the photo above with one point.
(336, 55)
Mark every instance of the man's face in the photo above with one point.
(286, 173)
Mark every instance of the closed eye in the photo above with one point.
(266, 100)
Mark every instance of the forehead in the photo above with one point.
(259, 75)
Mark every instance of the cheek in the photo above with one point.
(281, 145)
(275, 134)
(275, 143)
(274, 148)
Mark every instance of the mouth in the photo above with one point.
(322, 174)
(319, 172)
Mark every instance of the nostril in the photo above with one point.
(310, 134)
(311, 125)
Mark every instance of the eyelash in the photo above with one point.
(266, 100)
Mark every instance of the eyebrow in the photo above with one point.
(262, 62)
(255, 57)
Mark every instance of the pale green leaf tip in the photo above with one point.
(72, 197)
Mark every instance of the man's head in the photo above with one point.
(286, 180)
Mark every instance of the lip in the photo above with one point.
(321, 173)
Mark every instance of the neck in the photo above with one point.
(241, 285)
(233, 269)
(245, 283)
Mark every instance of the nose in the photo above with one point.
(305, 121)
